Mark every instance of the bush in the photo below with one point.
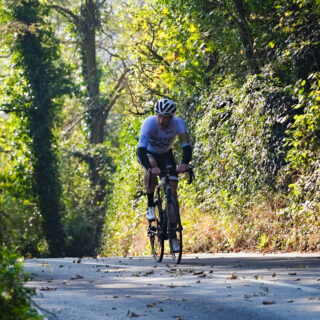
(15, 301)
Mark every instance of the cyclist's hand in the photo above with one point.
(181, 168)
(156, 171)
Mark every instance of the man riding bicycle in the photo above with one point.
(155, 149)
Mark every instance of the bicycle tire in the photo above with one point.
(174, 230)
(156, 235)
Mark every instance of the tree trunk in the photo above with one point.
(33, 49)
(47, 185)
(246, 37)
(96, 114)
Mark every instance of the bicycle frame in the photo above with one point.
(168, 224)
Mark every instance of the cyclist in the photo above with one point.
(155, 149)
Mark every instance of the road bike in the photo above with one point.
(167, 225)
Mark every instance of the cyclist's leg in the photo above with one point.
(168, 159)
(150, 184)
(150, 188)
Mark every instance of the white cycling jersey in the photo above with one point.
(158, 140)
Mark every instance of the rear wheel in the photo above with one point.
(156, 236)
(174, 230)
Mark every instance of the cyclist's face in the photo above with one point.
(163, 121)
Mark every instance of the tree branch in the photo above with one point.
(69, 14)
(155, 54)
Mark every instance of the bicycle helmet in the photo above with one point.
(165, 107)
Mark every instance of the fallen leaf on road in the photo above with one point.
(47, 289)
(132, 314)
(77, 277)
(150, 305)
(202, 275)
(268, 302)
(234, 276)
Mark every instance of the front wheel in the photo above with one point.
(155, 234)
(174, 230)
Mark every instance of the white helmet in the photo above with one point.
(165, 106)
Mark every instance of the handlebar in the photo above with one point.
(169, 171)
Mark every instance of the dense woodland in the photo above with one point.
(79, 77)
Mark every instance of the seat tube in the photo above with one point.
(168, 188)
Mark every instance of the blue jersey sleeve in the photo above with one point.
(144, 133)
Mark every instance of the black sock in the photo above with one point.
(150, 200)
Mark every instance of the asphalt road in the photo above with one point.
(221, 286)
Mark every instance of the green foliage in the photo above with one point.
(255, 138)
(126, 203)
(34, 92)
(19, 216)
(82, 219)
(15, 303)
(302, 215)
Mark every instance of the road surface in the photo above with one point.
(220, 286)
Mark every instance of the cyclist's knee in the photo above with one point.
(152, 161)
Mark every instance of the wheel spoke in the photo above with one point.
(156, 239)
(174, 231)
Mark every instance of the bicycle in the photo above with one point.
(167, 225)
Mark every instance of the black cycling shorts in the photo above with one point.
(165, 159)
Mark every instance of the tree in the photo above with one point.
(36, 58)
(86, 25)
